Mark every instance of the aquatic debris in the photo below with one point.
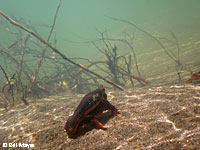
(92, 105)
(55, 50)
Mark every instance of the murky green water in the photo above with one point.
(161, 115)
(79, 20)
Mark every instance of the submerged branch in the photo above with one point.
(5, 74)
(22, 55)
(57, 51)
(177, 44)
(46, 46)
(149, 34)
(129, 45)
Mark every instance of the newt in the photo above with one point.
(91, 106)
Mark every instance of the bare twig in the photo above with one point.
(57, 51)
(132, 76)
(22, 54)
(21, 59)
(142, 30)
(129, 45)
(91, 64)
(24, 92)
(178, 47)
(10, 90)
(4, 72)
(128, 67)
(46, 46)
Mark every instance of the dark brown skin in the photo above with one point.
(91, 106)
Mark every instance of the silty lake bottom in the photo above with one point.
(157, 117)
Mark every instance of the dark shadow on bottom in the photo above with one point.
(103, 118)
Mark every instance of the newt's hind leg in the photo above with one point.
(98, 124)
(109, 106)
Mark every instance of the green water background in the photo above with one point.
(80, 20)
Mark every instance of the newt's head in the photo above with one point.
(71, 125)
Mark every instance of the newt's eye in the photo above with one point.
(89, 103)
(95, 97)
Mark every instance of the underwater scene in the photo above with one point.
(100, 74)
